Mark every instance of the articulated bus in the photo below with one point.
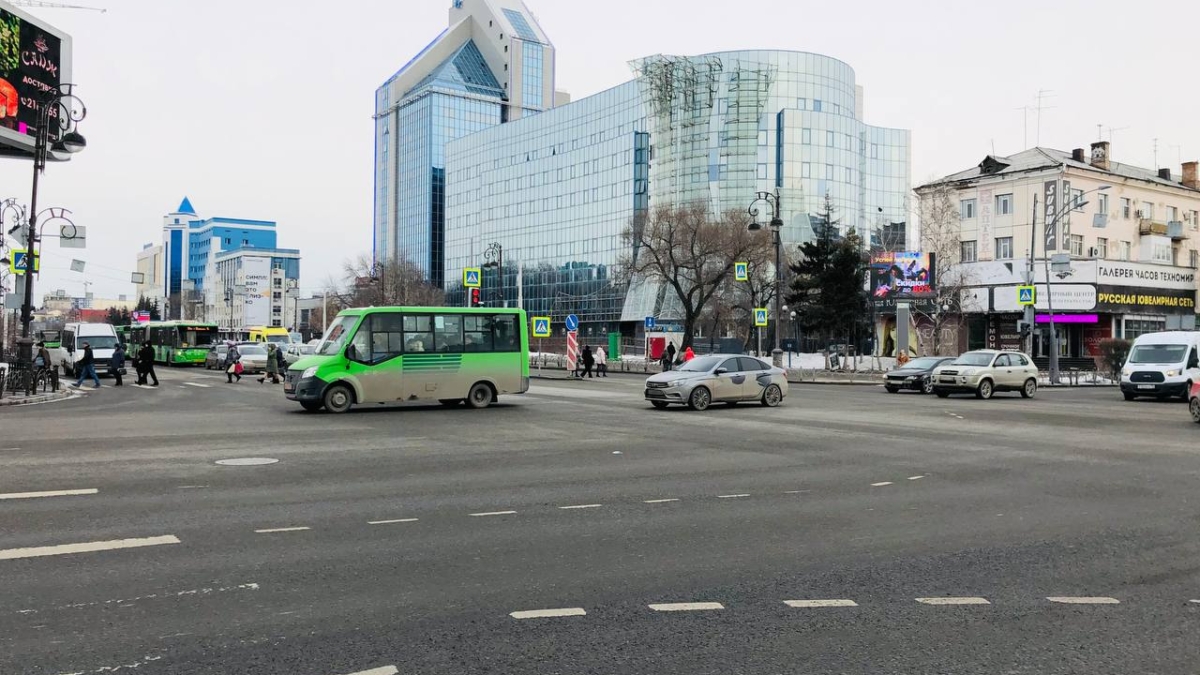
(380, 355)
(177, 343)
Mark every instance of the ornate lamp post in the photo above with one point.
(772, 200)
(494, 257)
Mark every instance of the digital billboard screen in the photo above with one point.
(901, 275)
(34, 59)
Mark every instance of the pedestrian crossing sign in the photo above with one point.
(741, 271)
(1026, 295)
(760, 317)
(18, 262)
(471, 277)
(541, 326)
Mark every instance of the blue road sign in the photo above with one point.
(541, 326)
(1026, 295)
(471, 277)
(650, 322)
(760, 317)
(741, 271)
(572, 323)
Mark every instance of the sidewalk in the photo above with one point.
(11, 399)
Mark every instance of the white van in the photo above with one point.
(1162, 365)
(101, 336)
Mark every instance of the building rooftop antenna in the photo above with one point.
(1042, 95)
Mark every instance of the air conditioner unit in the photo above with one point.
(1093, 252)
(1138, 214)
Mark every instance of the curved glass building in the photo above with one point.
(555, 189)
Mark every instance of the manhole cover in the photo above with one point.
(247, 461)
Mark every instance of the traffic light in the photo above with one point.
(1024, 329)
(475, 300)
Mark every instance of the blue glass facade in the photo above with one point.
(532, 92)
(556, 189)
(215, 235)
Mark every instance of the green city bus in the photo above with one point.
(381, 355)
(177, 343)
(52, 338)
(123, 335)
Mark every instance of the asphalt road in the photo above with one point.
(909, 534)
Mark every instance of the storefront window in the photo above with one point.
(1135, 327)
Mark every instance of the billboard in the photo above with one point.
(256, 271)
(35, 57)
(902, 275)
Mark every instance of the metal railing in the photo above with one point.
(25, 379)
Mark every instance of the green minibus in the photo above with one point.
(381, 355)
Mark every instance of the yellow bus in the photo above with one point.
(275, 334)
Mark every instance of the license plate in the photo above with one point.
(1145, 386)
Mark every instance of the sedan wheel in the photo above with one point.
(1194, 408)
(1029, 389)
(773, 396)
(700, 399)
(927, 387)
(985, 390)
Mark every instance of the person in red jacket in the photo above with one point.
(688, 354)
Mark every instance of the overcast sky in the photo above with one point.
(262, 108)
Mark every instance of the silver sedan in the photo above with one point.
(725, 378)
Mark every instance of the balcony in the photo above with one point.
(1175, 230)
(1146, 226)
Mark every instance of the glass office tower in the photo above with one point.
(556, 190)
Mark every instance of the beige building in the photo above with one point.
(1125, 239)
(150, 267)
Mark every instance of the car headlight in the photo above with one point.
(676, 383)
(309, 372)
(1126, 372)
(968, 372)
(1173, 373)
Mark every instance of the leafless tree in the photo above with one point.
(691, 251)
(365, 283)
(941, 235)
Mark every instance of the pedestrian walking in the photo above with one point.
(117, 363)
(233, 364)
(86, 367)
(589, 360)
(42, 360)
(601, 362)
(669, 357)
(688, 354)
(146, 364)
(273, 354)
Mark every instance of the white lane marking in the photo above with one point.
(152, 596)
(87, 547)
(548, 613)
(687, 606)
(273, 530)
(1195, 601)
(807, 604)
(145, 660)
(191, 487)
(796, 492)
(883, 484)
(48, 493)
(731, 496)
(915, 477)
(391, 522)
(197, 384)
(953, 601)
(382, 670)
(660, 501)
(581, 506)
(492, 513)
(1095, 600)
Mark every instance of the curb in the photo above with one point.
(40, 398)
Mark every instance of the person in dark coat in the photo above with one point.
(274, 356)
(146, 364)
(86, 367)
(589, 361)
(669, 357)
(232, 369)
(117, 363)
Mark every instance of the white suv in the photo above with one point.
(986, 372)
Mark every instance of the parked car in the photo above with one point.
(296, 352)
(916, 375)
(725, 378)
(215, 358)
(254, 356)
(986, 372)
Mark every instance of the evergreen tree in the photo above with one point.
(114, 316)
(145, 304)
(827, 286)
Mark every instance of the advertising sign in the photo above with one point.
(986, 236)
(257, 273)
(902, 274)
(1051, 208)
(1131, 299)
(34, 58)
(1064, 297)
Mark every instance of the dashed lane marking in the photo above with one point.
(732, 496)
(382, 670)
(87, 547)
(191, 487)
(796, 492)
(883, 484)
(275, 530)
(548, 613)
(954, 601)
(492, 513)
(660, 501)
(392, 522)
(49, 493)
(687, 607)
(581, 506)
(1085, 600)
(152, 596)
(197, 384)
(915, 477)
(813, 604)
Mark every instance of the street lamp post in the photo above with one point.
(494, 257)
(772, 199)
(59, 103)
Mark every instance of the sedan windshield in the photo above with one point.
(924, 363)
(975, 359)
(252, 350)
(702, 364)
(1158, 354)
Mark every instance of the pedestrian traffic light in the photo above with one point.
(475, 301)
(1024, 329)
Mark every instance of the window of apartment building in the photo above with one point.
(1077, 245)
(828, 172)
(1123, 251)
(830, 139)
(1162, 253)
(1172, 214)
(967, 209)
(1076, 200)
(968, 251)
(1147, 211)
(1193, 218)
(278, 282)
(806, 136)
(1194, 259)
(806, 170)
(277, 295)
(849, 175)
(1126, 207)
(1004, 205)
(1004, 248)
(1102, 204)
(816, 105)
(802, 103)
(1101, 248)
